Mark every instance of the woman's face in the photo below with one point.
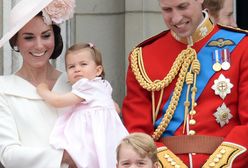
(35, 42)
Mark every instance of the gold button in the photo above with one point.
(219, 156)
(191, 132)
(223, 151)
(166, 156)
(192, 112)
(169, 159)
(212, 164)
(192, 122)
(216, 160)
(173, 163)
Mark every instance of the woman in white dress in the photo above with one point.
(91, 131)
(26, 121)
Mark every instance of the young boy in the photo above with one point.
(137, 150)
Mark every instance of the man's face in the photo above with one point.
(182, 16)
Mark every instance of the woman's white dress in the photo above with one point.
(26, 122)
(91, 131)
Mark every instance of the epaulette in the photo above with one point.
(235, 29)
(152, 39)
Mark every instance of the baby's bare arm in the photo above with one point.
(57, 100)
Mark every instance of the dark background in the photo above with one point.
(242, 14)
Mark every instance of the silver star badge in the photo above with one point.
(222, 86)
(223, 115)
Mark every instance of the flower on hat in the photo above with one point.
(58, 11)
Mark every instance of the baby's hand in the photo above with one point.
(41, 87)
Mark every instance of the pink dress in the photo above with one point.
(91, 131)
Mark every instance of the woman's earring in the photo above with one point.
(16, 49)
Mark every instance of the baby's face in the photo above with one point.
(129, 158)
(80, 64)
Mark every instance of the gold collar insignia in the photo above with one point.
(202, 31)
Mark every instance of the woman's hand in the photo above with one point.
(68, 160)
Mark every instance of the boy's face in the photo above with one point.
(129, 158)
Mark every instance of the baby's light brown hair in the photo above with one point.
(96, 54)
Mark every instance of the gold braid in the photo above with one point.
(191, 80)
(141, 76)
(182, 63)
(137, 66)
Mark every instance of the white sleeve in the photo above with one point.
(84, 89)
(13, 154)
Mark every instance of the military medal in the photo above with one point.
(222, 86)
(217, 67)
(223, 115)
(226, 60)
(216, 61)
(225, 65)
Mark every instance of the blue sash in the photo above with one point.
(206, 72)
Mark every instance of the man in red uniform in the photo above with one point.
(188, 88)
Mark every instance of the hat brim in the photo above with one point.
(25, 10)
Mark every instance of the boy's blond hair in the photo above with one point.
(142, 143)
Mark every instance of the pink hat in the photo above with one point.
(54, 11)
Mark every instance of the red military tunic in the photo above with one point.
(159, 54)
